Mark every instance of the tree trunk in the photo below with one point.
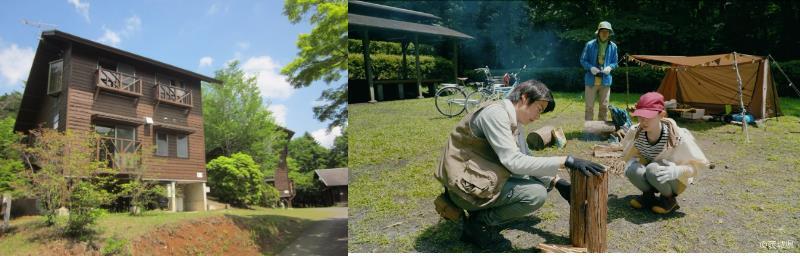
(588, 211)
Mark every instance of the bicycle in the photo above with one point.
(492, 90)
(451, 100)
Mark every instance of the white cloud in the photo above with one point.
(110, 37)
(114, 37)
(132, 24)
(271, 83)
(279, 113)
(15, 63)
(216, 8)
(325, 138)
(81, 8)
(243, 45)
(206, 61)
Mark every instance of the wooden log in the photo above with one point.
(588, 211)
(541, 138)
(556, 248)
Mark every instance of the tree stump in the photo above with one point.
(588, 211)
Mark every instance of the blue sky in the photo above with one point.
(200, 36)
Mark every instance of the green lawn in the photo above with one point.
(750, 197)
(29, 234)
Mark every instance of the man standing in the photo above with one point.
(483, 167)
(599, 57)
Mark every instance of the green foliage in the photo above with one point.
(60, 157)
(271, 197)
(394, 48)
(10, 164)
(115, 246)
(143, 194)
(9, 104)
(237, 180)
(307, 153)
(387, 66)
(323, 53)
(337, 157)
(84, 208)
(236, 120)
(792, 69)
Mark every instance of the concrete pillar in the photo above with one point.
(6, 210)
(194, 197)
(171, 194)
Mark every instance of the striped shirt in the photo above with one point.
(650, 150)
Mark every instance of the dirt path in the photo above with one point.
(324, 237)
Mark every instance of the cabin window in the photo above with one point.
(162, 145)
(183, 146)
(54, 77)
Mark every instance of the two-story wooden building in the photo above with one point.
(132, 101)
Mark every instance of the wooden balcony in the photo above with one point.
(122, 154)
(174, 95)
(118, 83)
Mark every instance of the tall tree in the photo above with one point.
(337, 156)
(236, 120)
(307, 153)
(9, 104)
(323, 54)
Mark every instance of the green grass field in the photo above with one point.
(29, 235)
(748, 199)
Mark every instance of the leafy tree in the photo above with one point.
(84, 205)
(307, 153)
(140, 191)
(59, 167)
(236, 120)
(10, 164)
(236, 179)
(9, 104)
(337, 156)
(323, 54)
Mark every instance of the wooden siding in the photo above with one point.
(82, 104)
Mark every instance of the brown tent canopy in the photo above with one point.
(710, 82)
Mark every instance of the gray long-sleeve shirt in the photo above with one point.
(492, 124)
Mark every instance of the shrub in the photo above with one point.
(272, 197)
(85, 208)
(237, 179)
(388, 66)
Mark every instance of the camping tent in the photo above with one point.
(710, 82)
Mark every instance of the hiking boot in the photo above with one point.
(487, 238)
(646, 200)
(666, 204)
(446, 208)
(563, 188)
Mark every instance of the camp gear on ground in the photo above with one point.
(644, 201)
(710, 82)
(669, 172)
(649, 105)
(604, 25)
(602, 93)
(748, 117)
(446, 208)
(484, 236)
(666, 204)
(563, 188)
(587, 167)
(620, 118)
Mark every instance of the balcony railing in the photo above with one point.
(174, 95)
(121, 154)
(118, 82)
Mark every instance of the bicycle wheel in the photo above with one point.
(474, 99)
(450, 101)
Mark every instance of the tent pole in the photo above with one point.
(741, 99)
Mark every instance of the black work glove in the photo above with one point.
(563, 188)
(587, 167)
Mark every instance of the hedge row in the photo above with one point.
(389, 66)
(378, 47)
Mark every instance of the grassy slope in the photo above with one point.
(395, 146)
(29, 234)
